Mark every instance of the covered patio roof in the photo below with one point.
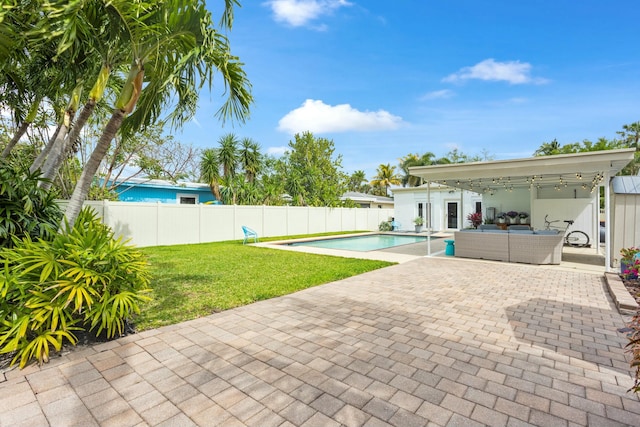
(587, 169)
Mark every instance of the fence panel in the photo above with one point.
(152, 224)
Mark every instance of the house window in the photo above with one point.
(187, 199)
(479, 207)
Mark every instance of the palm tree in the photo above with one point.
(175, 51)
(228, 154)
(548, 148)
(355, 181)
(386, 177)
(411, 160)
(210, 171)
(250, 160)
(55, 148)
(631, 138)
(106, 42)
(18, 64)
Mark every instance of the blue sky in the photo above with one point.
(384, 79)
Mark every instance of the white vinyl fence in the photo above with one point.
(155, 224)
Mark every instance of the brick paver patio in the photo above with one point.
(431, 342)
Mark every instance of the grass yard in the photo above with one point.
(191, 281)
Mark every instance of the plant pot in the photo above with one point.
(512, 220)
(500, 220)
(523, 220)
(624, 266)
(418, 228)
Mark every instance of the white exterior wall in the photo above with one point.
(406, 206)
(518, 200)
(568, 203)
(625, 229)
(154, 224)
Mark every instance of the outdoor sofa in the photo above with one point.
(525, 246)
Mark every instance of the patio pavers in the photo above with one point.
(434, 341)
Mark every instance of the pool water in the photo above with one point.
(363, 243)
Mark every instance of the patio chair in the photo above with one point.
(519, 227)
(249, 234)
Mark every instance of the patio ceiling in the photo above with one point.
(584, 169)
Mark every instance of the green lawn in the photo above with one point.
(191, 281)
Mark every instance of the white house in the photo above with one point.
(449, 210)
(369, 200)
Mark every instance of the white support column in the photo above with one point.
(429, 217)
(607, 223)
(462, 217)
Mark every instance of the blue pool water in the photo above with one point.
(363, 243)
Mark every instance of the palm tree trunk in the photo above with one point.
(55, 159)
(31, 116)
(21, 131)
(55, 151)
(37, 163)
(84, 183)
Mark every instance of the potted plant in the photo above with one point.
(501, 217)
(524, 217)
(512, 215)
(419, 222)
(630, 262)
(475, 219)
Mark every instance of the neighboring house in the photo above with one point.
(625, 217)
(369, 200)
(157, 190)
(449, 209)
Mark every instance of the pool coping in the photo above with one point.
(380, 255)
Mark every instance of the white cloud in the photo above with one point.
(300, 12)
(276, 151)
(438, 94)
(316, 116)
(514, 72)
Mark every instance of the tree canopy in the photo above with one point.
(311, 172)
(629, 138)
(149, 59)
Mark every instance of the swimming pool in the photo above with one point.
(366, 243)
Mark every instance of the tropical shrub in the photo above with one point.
(25, 209)
(385, 226)
(82, 279)
(634, 349)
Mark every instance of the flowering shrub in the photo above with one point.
(475, 219)
(628, 254)
(512, 214)
(632, 268)
(630, 262)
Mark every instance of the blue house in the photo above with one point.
(157, 190)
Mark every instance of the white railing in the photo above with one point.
(155, 224)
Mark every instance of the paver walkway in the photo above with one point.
(431, 342)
